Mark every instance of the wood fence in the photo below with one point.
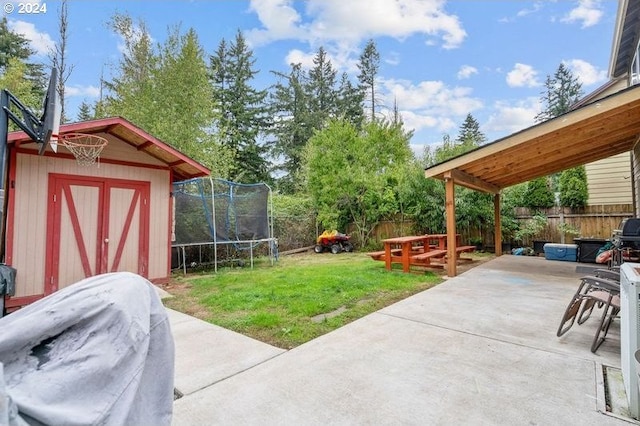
(590, 222)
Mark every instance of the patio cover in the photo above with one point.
(597, 130)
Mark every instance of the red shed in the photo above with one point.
(66, 222)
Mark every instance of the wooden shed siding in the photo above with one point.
(159, 247)
(28, 249)
(85, 199)
(609, 180)
(122, 202)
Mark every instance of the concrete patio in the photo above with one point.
(481, 348)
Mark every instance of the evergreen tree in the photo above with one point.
(470, 134)
(84, 112)
(242, 112)
(349, 102)
(12, 45)
(560, 92)
(291, 127)
(320, 90)
(14, 50)
(368, 66)
(182, 73)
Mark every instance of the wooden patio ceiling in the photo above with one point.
(597, 130)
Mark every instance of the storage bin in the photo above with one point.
(588, 248)
(564, 252)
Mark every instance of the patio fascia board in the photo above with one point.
(528, 136)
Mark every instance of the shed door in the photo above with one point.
(95, 226)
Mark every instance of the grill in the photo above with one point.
(628, 236)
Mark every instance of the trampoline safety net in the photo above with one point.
(216, 211)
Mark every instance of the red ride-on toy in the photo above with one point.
(334, 241)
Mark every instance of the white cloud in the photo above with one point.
(586, 73)
(82, 91)
(417, 121)
(510, 118)
(280, 20)
(350, 22)
(341, 26)
(40, 42)
(588, 12)
(522, 75)
(524, 12)
(433, 97)
(297, 56)
(537, 6)
(466, 71)
(428, 104)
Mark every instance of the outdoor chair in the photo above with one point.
(601, 289)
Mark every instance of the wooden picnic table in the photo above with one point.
(441, 240)
(418, 250)
(406, 245)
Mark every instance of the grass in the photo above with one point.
(298, 299)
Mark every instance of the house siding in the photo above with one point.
(609, 180)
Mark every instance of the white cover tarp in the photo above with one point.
(99, 352)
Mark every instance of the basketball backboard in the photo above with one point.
(51, 115)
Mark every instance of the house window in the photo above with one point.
(634, 75)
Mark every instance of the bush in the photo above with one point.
(294, 221)
(538, 194)
(572, 184)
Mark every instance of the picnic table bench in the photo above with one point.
(464, 249)
(418, 250)
(379, 255)
(424, 259)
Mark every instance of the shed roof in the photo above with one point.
(182, 166)
(594, 131)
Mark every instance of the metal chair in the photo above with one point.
(601, 290)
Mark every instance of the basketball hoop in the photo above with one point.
(86, 148)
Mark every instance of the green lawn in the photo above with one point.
(298, 299)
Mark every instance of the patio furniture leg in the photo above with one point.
(587, 309)
(610, 311)
(572, 311)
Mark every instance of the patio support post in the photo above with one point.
(450, 208)
(498, 225)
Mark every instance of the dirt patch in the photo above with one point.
(184, 303)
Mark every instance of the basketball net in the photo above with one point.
(86, 148)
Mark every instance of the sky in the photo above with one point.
(439, 60)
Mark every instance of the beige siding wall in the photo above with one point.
(615, 88)
(30, 218)
(609, 180)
